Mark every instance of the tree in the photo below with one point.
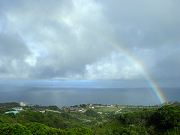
(13, 129)
(166, 117)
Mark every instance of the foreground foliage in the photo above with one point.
(163, 120)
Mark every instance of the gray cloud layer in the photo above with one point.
(76, 39)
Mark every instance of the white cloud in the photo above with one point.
(70, 39)
(116, 66)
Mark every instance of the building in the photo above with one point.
(14, 110)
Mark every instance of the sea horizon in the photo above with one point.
(66, 93)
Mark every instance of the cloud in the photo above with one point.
(12, 46)
(74, 39)
(117, 66)
(142, 23)
(13, 52)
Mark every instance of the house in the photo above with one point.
(14, 110)
(17, 108)
(82, 110)
(99, 112)
(22, 104)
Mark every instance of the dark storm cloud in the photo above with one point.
(70, 39)
(151, 30)
(145, 23)
(13, 53)
(169, 66)
(12, 46)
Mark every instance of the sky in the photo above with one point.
(89, 39)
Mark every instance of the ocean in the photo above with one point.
(65, 93)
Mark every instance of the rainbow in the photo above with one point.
(151, 81)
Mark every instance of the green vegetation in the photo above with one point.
(90, 120)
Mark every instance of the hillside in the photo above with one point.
(89, 119)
